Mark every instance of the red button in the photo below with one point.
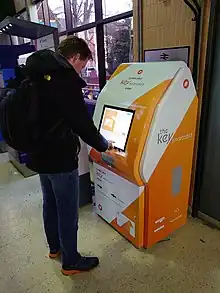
(186, 84)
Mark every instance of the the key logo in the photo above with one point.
(164, 136)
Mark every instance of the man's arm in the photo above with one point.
(83, 125)
(72, 106)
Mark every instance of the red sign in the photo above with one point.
(100, 207)
(186, 84)
(140, 71)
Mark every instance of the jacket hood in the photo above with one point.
(46, 62)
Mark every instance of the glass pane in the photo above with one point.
(40, 13)
(90, 73)
(57, 15)
(118, 44)
(83, 12)
(113, 7)
(23, 16)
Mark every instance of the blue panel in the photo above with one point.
(9, 54)
(8, 74)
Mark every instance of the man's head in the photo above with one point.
(76, 51)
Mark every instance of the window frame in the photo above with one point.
(98, 24)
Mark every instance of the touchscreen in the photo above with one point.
(115, 125)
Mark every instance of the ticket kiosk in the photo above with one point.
(142, 186)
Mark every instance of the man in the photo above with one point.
(64, 117)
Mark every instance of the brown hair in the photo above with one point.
(72, 46)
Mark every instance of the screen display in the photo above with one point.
(116, 124)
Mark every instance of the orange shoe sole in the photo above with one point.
(70, 273)
(54, 255)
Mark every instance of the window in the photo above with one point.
(40, 13)
(57, 15)
(113, 7)
(23, 16)
(90, 73)
(118, 44)
(109, 33)
(83, 12)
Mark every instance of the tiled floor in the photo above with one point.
(189, 262)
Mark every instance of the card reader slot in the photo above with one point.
(108, 159)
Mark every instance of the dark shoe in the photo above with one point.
(84, 264)
(54, 254)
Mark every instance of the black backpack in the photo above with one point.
(20, 103)
(19, 117)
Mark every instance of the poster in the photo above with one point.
(46, 42)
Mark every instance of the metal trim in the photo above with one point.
(68, 15)
(46, 12)
(56, 39)
(209, 220)
(101, 22)
(115, 17)
(81, 28)
(140, 31)
(100, 43)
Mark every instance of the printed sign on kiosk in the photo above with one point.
(142, 186)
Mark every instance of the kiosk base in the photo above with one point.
(120, 203)
(129, 209)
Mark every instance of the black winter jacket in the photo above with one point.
(63, 115)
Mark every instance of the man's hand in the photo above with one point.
(110, 145)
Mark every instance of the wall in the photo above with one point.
(7, 8)
(166, 24)
(19, 5)
(203, 49)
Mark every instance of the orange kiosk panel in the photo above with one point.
(142, 186)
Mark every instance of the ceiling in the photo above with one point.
(7, 8)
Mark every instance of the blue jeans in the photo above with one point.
(60, 213)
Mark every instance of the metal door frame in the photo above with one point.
(205, 107)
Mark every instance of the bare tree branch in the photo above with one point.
(80, 7)
(81, 11)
